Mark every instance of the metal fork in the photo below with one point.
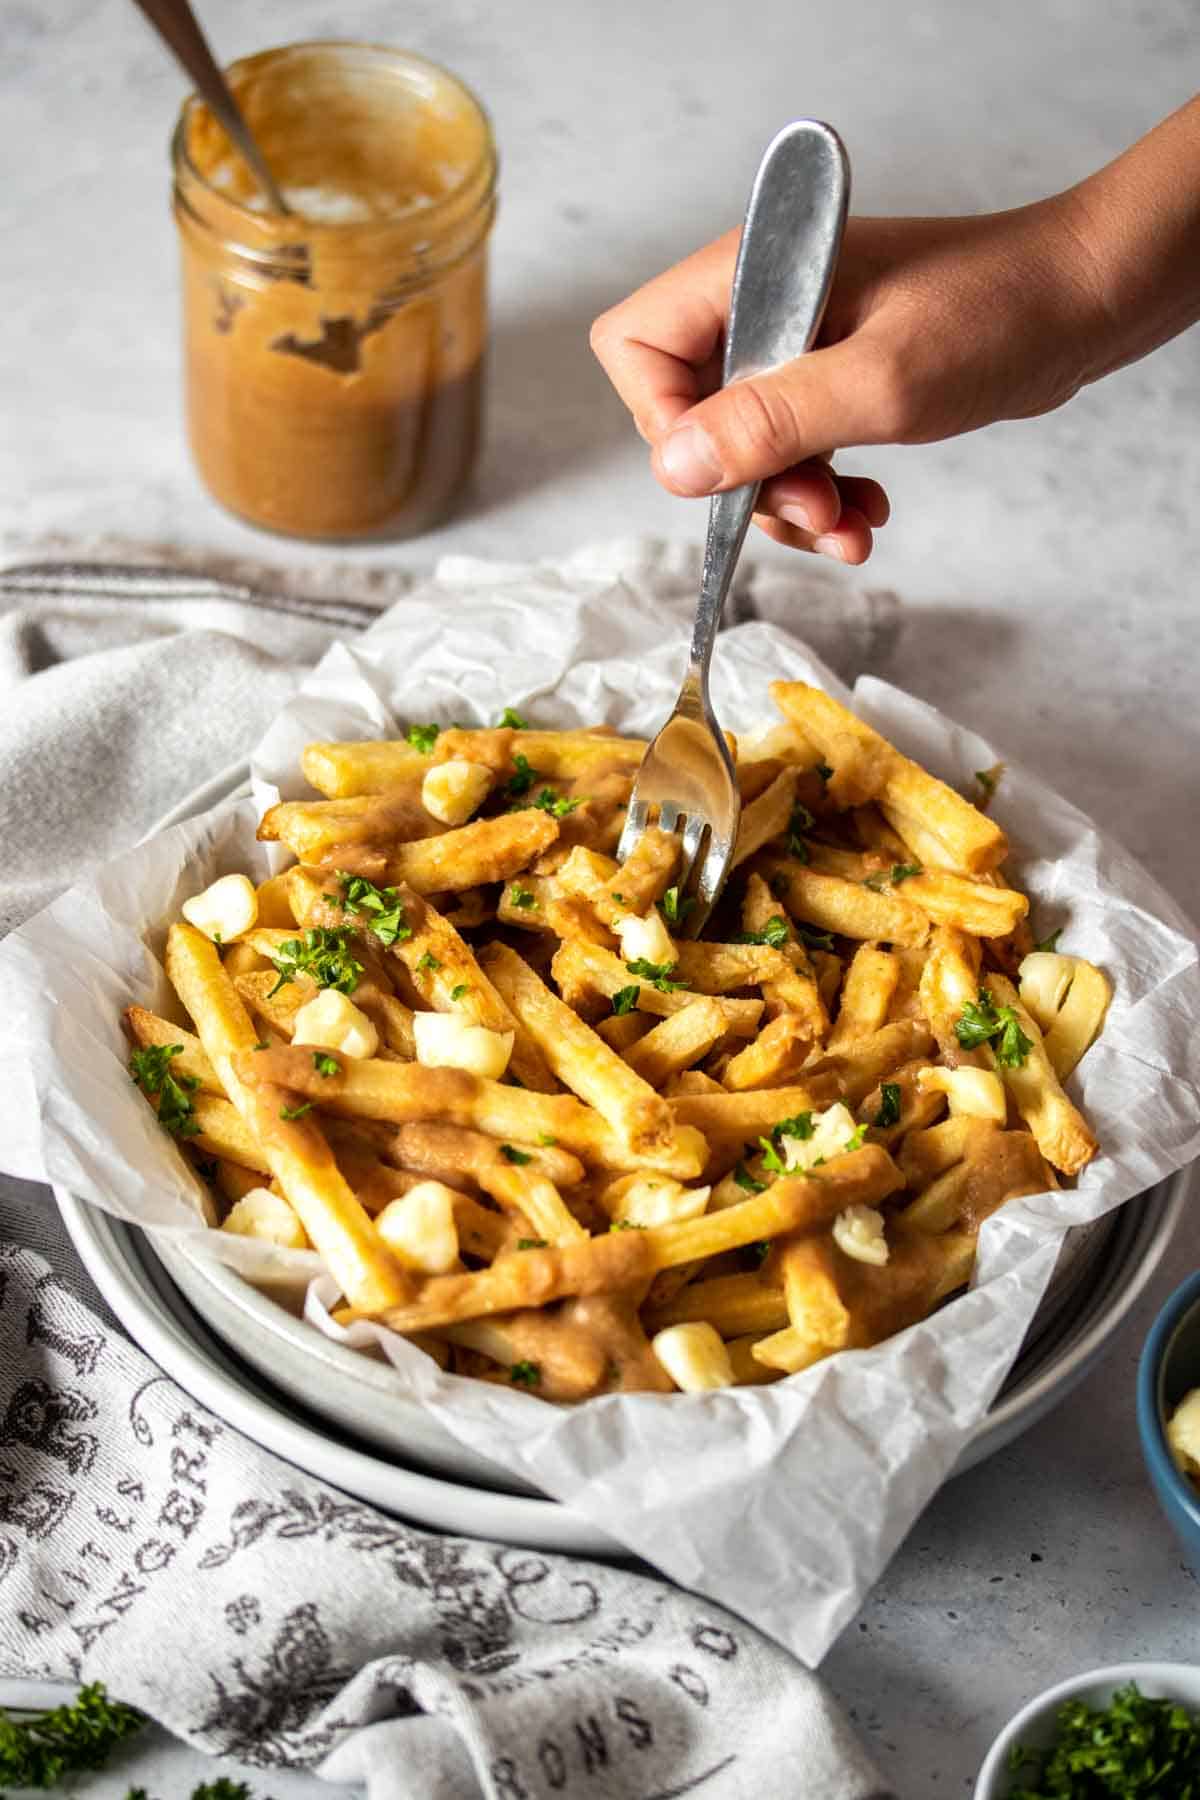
(785, 267)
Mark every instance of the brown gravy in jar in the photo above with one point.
(334, 357)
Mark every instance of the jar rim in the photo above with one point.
(487, 162)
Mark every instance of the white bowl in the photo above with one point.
(1036, 1725)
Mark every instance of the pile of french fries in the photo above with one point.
(475, 1063)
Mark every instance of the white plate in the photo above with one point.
(178, 1341)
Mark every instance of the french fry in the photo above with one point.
(146, 1029)
(793, 1203)
(410, 1093)
(233, 1181)
(295, 1150)
(446, 973)
(600, 1265)
(708, 968)
(818, 1321)
(778, 1054)
(919, 1274)
(927, 1153)
(795, 989)
(224, 1134)
(242, 959)
(847, 908)
(975, 906)
(634, 886)
(314, 829)
(486, 850)
(747, 1371)
(521, 1180)
(274, 901)
(850, 1074)
(372, 767)
(276, 1006)
(736, 1305)
(676, 1042)
(765, 817)
(621, 1031)
(866, 996)
(971, 841)
(581, 1060)
(1063, 1134)
(587, 976)
(950, 979)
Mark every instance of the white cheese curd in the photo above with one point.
(331, 1021)
(694, 1357)
(858, 1232)
(645, 939)
(446, 1041)
(658, 1200)
(264, 1214)
(419, 1228)
(224, 911)
(1183, 1434)
(832, 1131)
(451, 791)
(975, 1093)
(1045, 978)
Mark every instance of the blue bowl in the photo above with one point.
(1169, 1368)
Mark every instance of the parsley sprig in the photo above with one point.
(657, 974)
(775, 933)
(150, 1069)
(625, 999)
(322, 953)
(673, 908)
(891, 878)
(381, 910)
(38, 1752)
(511, 720)
(423, 737)
(1133, 1747)
(889, 1104)
(983, 1022)
(800, 822)
(525, 1374)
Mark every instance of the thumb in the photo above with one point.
(761, 425)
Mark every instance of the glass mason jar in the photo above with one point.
(334, 357)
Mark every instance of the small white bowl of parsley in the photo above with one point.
(1131, 1732)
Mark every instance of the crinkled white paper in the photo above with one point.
(783, 1502)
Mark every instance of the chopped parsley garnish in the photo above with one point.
(816, 940)
(263, 1044)
(626, 1225)
(800, 822)
(620, 899)
(547, 1138)
(893, 877)
(824, 771)
(323, 954)
(422, 737)
(889, 1104)
(525, 1374)
(325, 1064)
(855, 1141)
(1051, 942)
(983, 1022)
(427, 961)
(774, 932)
(657, 974)
(381, 909)
(521, 896)
(557, 805)
(746, 1181)
(987, 779)
(456, 993)
(531, 1243)
(1135, 1746)
(800, 1126)
(772, 1162)
(511, 1154)
(150, 1070)
(295, 1112)
(511, 720)
(673, 909)
(37, 1752)
(625, 999)
(757, 1254)
(519, 784)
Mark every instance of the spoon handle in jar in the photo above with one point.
(176, 24)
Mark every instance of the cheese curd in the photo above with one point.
(419, 1228)
(452, 791)
(224, 911)
(331, 1021)
(832, 1131)
(858, 1233)
(446, 1041)
(266, 1215)
(654, 1200)
(694, 1356)
(975, 1093)
(646, 940)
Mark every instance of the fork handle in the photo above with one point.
(785, 268)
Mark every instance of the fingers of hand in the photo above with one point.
(849, 541)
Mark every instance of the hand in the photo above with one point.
(934, 327)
